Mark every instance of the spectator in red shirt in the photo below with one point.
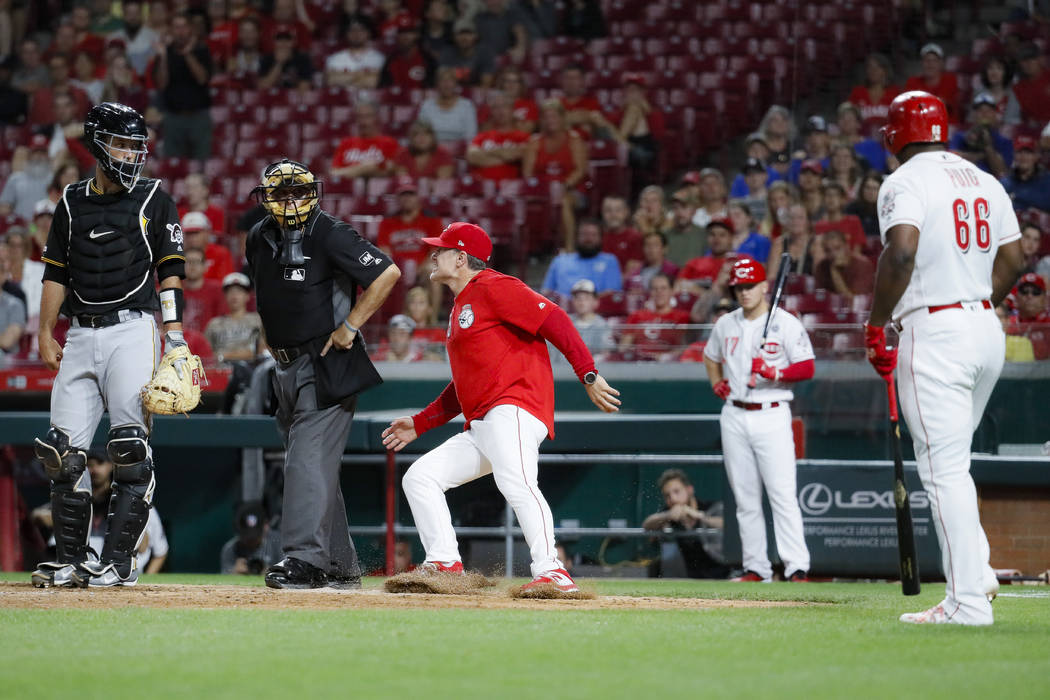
(844, 271)
(198, 198)
(42, 107)
(1032, 319)
(408, 66)
(86, 40)
(937, 81)
(558, 154)
(217, 259)
(873, 98)
(836, 219)
(66, 137)
(525, 112)
(401, 236)
(618, 238)
(424, 157)
(203, 297)
(583, 112)
(496, 153)
(369, 153)
(1033, 89)
(699, 273)
(653, 333)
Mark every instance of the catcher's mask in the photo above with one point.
(289, 191)
(116, 135)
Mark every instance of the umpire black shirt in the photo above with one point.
(297, 303)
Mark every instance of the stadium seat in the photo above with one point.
(612, 304)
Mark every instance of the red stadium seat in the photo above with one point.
(436, 205)
(612, 304)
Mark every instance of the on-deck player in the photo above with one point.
(109, 234)
(503, 386)
(757, 441)
(952, 252)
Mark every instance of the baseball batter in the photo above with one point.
(952, 252)
(503, 386)
(757, 441)
(110, 233)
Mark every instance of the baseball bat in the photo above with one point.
(907, 559)
(782, 273)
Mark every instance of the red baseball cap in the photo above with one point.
(636, 78)
(406, 183)
(747, 271)
(1031, 278)
(470, 238)
(692, 177)
(1025, 143)
(39, 142)
(406, 23)
(812, 165)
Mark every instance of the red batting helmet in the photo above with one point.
(915, 117)
(747, 271)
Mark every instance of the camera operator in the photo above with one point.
(982, 144)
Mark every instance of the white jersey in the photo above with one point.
(963, 215)
(735, 341)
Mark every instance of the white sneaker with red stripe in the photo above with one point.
(933, 616)
(441, 567)
(559, 578)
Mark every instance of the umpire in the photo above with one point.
(307, 266)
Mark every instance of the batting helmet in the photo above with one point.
(915, 117)
(289, 191)
(116, 135)
(747, 271)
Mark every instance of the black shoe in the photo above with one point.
(343, 581)
(798, 576)
(295, 573)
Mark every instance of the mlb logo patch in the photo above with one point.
(294, 274)
(367, 259)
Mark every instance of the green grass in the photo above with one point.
(851, 647)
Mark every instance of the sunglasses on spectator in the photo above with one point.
(1031, 292)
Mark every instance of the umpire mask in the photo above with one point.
(290, 192)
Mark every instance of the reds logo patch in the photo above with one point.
(889, 202)
(466, 317)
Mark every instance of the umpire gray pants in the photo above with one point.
(314, 527)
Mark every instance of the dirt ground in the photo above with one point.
(24, 596)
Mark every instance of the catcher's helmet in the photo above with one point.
(747, 271)
(121, 160)
(915, 117)
(289, 191)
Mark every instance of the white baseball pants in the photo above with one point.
(504, 443)
(759, 449)
(948, 364)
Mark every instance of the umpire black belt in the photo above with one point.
(286, 356)
(107, 319)
(755, 406)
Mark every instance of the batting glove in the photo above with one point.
(722, 389)
(759, 367)
(882, 358)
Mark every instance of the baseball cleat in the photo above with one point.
(441, 567)
(99, 575)
(799, 576)
(933, 616)
(52, 574)
(559, 578)
(296, 574)
(749, 577)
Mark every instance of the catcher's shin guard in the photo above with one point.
(128, 512)
(70, 496)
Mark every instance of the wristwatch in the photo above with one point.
(590, 378)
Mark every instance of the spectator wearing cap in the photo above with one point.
(583, 112)
(255, 547)
(357, 65)
(1032, 319)
(835, 217)
(587, 261)
(236, 335)
(782, 194)
(511, 83)
(198, 198)
(997, 77)
(1028, 183)
(872, 99)
(401, 235)
(982, 144)
(197, 232)
(755, 149)
(27, 185)
(368, 153)
(501, 28)
(595, 330)
(454, 117)
(713, 196)
(655, 332)
(934, 79)
(495, 154)
(472, 63)
(871, 152)
(618, 237)
(843, 271)
(816, 146)
(423, 156)
(641, 127)
(747, 241)
(755, 178)
(1033, 87)
(286, 66)
(558, 154)
(203, 299)
(778, 132)
(698, 273)
(685, 239)
(810, 192)
(399, 345)
(140, 41)
(408, 66)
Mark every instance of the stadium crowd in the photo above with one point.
(633, 149)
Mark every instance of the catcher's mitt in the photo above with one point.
(176, 385)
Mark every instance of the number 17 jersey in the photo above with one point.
(963, 215)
